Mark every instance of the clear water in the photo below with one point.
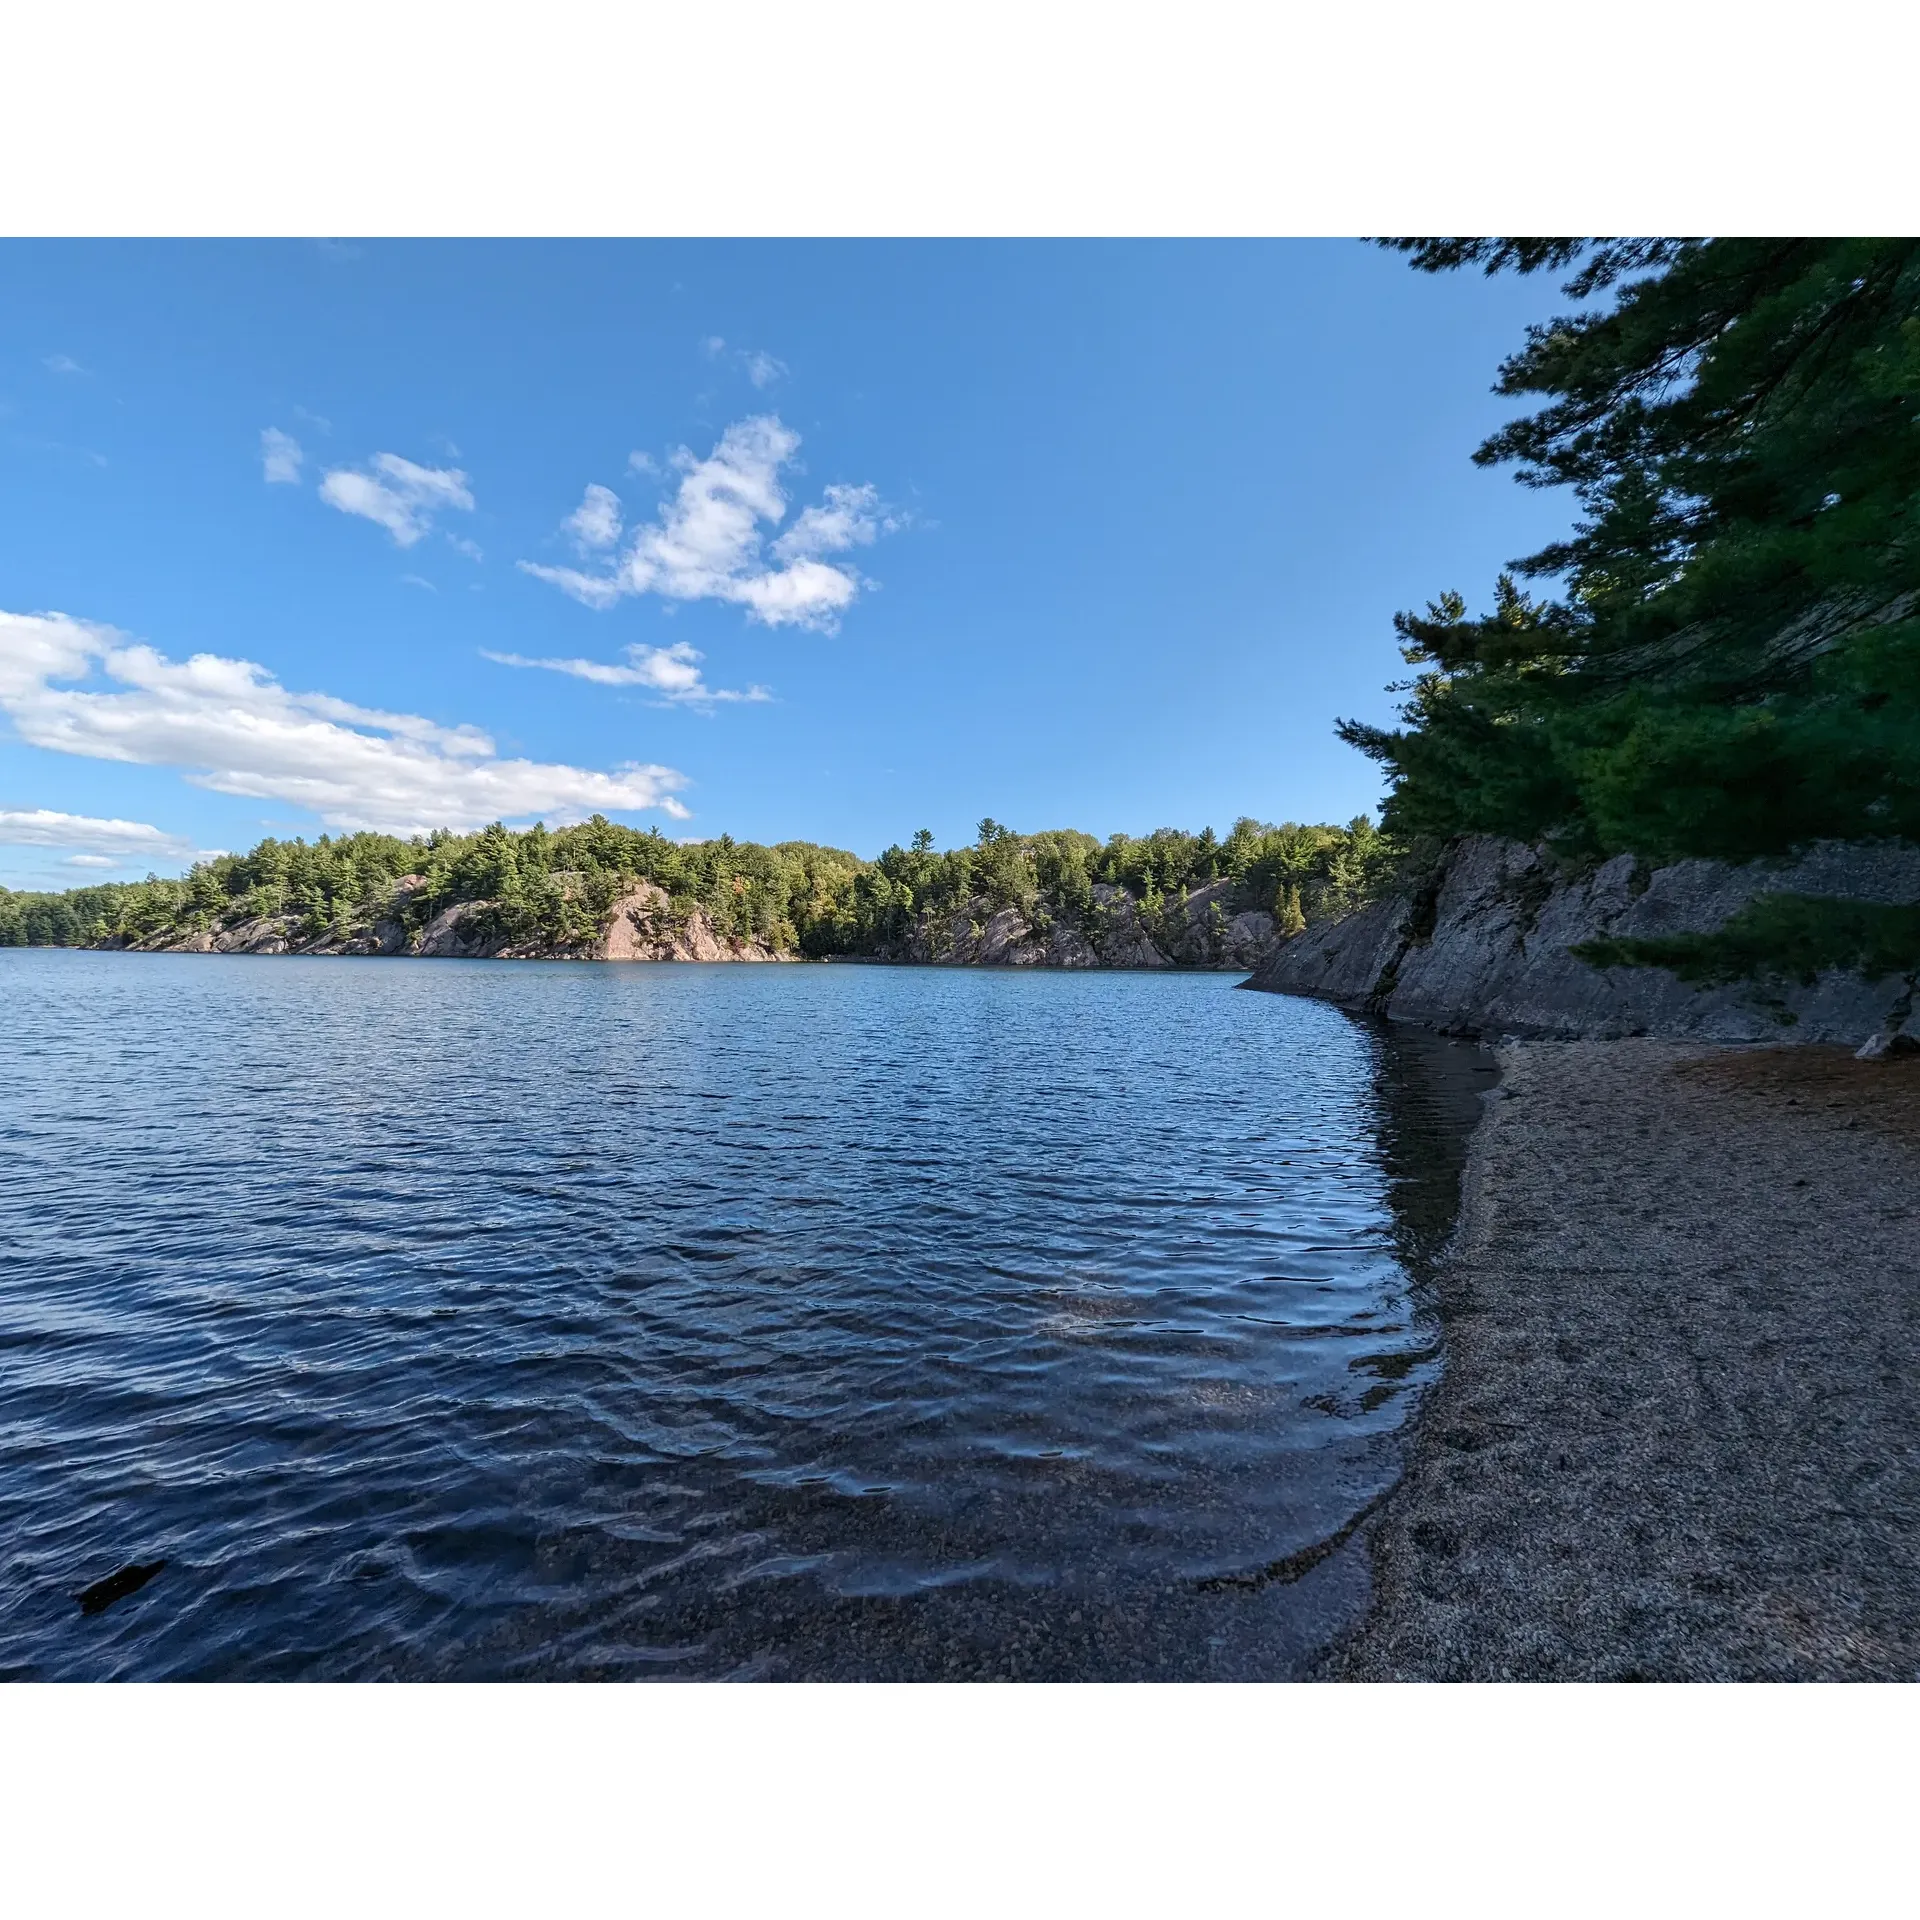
(444, 1319)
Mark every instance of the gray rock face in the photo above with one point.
(1485, 947)
(1211, 937)
(272, 933)
(461, 932)
(1114, 934)
(1197, 931)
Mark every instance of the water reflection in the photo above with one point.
(1428, 1090)
(432, 1319)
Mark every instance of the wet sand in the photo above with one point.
(1678, 1436)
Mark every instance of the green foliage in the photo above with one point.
(555, 889)
(1056, 875)
(1731, 664)
(72, 919)
(547, 888)
(1785, 936)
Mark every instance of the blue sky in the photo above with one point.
(880, 535)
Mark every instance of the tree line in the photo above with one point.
(557, 887)
(1296, 873)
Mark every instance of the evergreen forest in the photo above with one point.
(557, 887)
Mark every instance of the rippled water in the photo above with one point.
(499, 1319)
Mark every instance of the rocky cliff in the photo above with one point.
(1483, 945)
(646, 924)
(1198, 931)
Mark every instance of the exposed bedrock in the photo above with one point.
(1208, 927)
(645, 926)
(1196, 932)
(1483, 946)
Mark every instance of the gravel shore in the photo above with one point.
(1678, 1435)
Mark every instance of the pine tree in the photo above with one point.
(1727, 661)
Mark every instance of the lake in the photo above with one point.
(442, 1319)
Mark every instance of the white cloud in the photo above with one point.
(595, 522)
(672, 672)
(280, 457)
(397, 494)
(231, 727)
(850, 517)
(706, 542)
(762, 368)
(414, 580)
(62, 363)
(590, 589)
(642, 463)
(42, 827)
(468, 548)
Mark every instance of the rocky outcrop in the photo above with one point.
(468, 930)
(287, 933)
(646, 926)
(1196, 932)
(1213, 936)
(1483, 946)
(645, 923)
(268, 933)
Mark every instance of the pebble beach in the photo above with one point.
(1678, 1432)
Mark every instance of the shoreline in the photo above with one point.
(1677, 1435)
(780, 957)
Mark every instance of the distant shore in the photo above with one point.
(1678, 1436)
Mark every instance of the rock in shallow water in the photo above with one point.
(116, 1586)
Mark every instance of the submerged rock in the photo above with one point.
(116, 1586)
